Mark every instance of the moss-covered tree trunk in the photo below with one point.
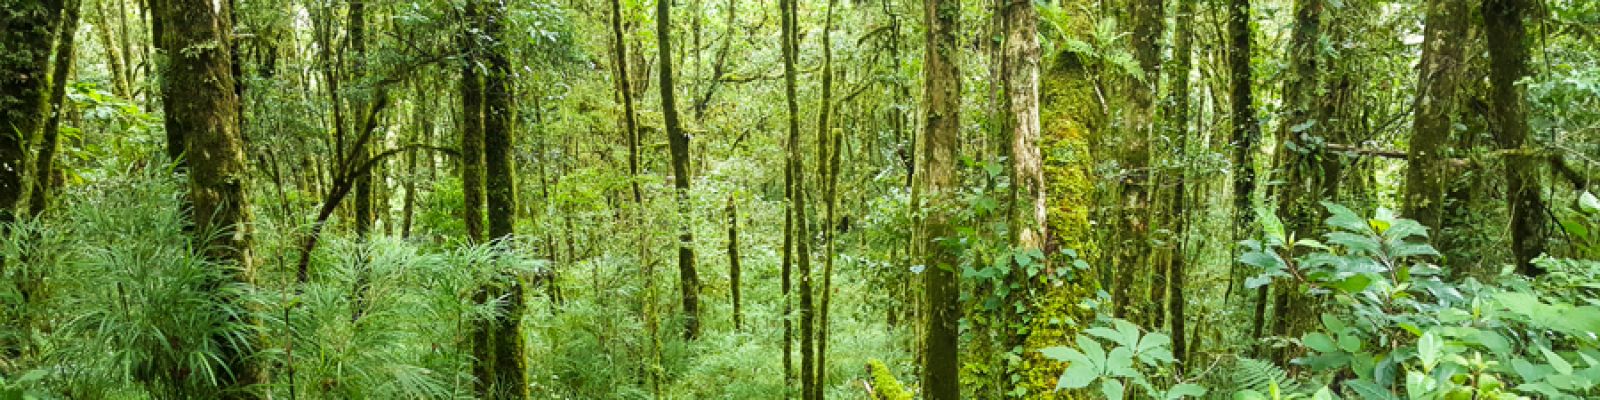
(1442, 64)
(1178, 134)
(201, 107)
(938, 184)
(44, 161)
(678, 144)
(1133, 257)
(1508, 56)
(27, 30)
(1299, 139)
(500, 194)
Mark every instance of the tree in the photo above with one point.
(1434, 107)
(938, 184)
(1508, 56)
(1246, 135)
(799, 234)
(1300, 135)
(201, 107)
(44, 162)
(27, 30)
(1133, 247)
(1177, 267)
(472, 118)
(678, 142)
(500, 187)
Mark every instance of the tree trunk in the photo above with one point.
(827, 156)
(733, 262)
(119, 74)
(44, 162)
(1134, 246)
(510, 366)
(939, 184)
(799, 219)
(678, 141)
(27, 32)
(471, 129)
(1246, 135)
(358, 50)
(201, 104)
(629, 118)
(1298, 138)
(1442, 64)
(1179, 131)
(1508, 56)
(1020, 63)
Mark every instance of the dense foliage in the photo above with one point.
(884, 199)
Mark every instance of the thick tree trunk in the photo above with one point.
(44, 161)
(1299, 135)
(471, 129)
(938, 183)
(1442, 64)
(678, 142)
(1020, 66)
(201, 107)
(1508, 56)
(510, 365)
(1133, 246)
(27, 31)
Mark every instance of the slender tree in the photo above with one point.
(827, 167)
(44, 161)
(733, 262)
(1177, 268)
(1508, 63)
(629, 118)
(678, 142)
(937, 182)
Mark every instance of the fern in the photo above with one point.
(1258, 375)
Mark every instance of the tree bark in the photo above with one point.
(44, 161)
(1442, 64)
(1176, 268)
(733, 262)
(678, 142)
(827, 167)
(799, 219)
(510, 365)
(1508, 56)
(629, 118)
(938, 182)
(27, 31)
(201, 103)
(1299, 136)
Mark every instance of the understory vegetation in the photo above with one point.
(779, 199)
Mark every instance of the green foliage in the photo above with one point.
(1133, 357)
(1399, 329)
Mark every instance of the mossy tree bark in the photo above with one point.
(828, 171)
(1508, 56)
(1178, 131)
(1442, 50)
(1133, 246)
(1299, 138)
(44, 161)
(796, 233)
(678, 144)
(201, 107)
(938, 184)
(500, 193)
(27, 31)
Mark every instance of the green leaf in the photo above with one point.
(1349, 343)
(1077, 376)
(1353, 284)
(1112, 388)
(1064, 354)
(1120, 362)
(1429, 349)
(1320, 342)
(1093, 352)
(1185, 390)
(1560, 364)
(1588, 203)
(1341, 217)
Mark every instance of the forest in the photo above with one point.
(800, 199)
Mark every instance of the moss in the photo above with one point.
(1067, 116)
(884, 383)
